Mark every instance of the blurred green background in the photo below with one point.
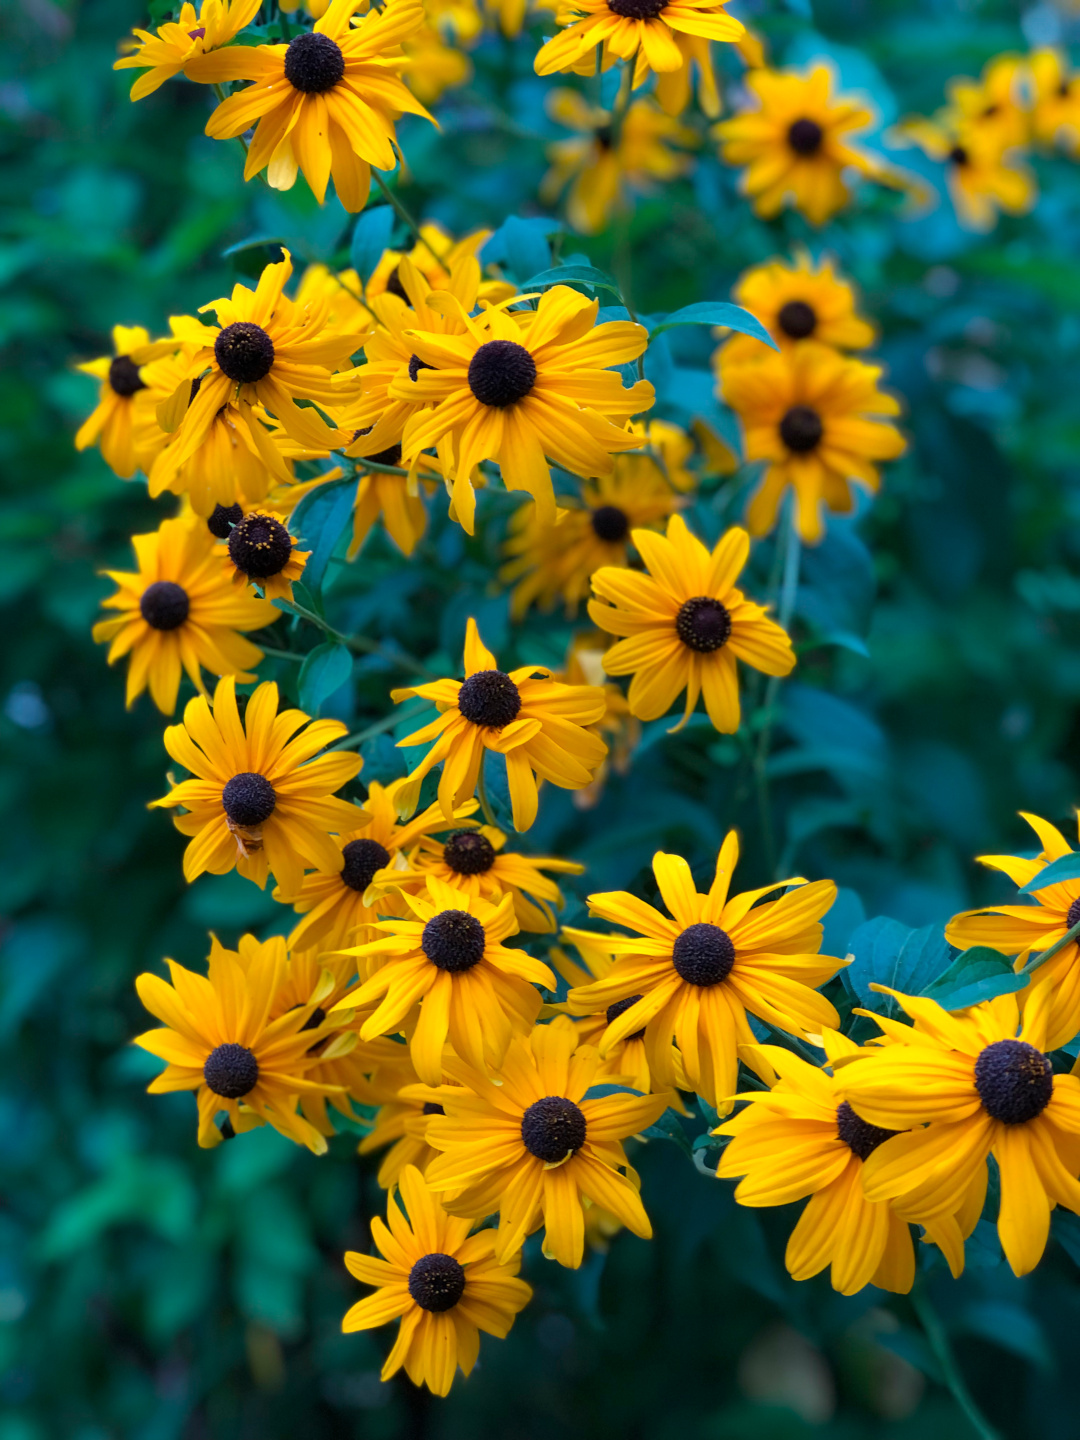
(151, 1291)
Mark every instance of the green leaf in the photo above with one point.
(715, 312)
(325, 670)
(319, 521)
(370, 237)
(978, 974)
(1066, 867)
(600, 1092)
(889, 953)
(670, 1127)
(572, 275)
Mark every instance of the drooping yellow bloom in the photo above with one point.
(179, 612)
(981, 176)
(802, 1139)
(534, 721)
(390, 498)
(977, 1083)
(444, 1284)
(645, 31)
(604, 164)
(816, 417)
(1026, 930)
(795, 144)
(476, 862)
(332, 900)
(325, 103)
(685, 624)
(695, 976)
(801, 301)
(112, 423)
(220, 1041)
(166, 52)
(534, 1148)
(1055, 101)
(556, 562)
(258, 801)
(448, 957)
(260, 551)
(523, 396)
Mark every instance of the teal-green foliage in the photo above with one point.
(151, 1291)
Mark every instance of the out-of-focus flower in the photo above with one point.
(800, 301)
(166, 53)
(980, 176)
(1055, 101)
(114, 423)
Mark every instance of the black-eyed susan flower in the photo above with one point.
(685, 624)
(982, 176)
(522, 395)
(647, 32)
(795, 302)
(795, 144)
(324, 104)
(1026, 930)
(995, 104)
(695, 975)
(975, 1083)
(220, 1041)
(390, 498)
(265, 351)
(443, 1282)
(802, 1140)
(448, 957)
(819, 420)
(602, 163)
(477, 862)
(555, 562)
(1054, 100)
(261, 552)
(332, 900)
(180, 612)
(534, 721)
(258, 801)
(165, 53)
(534, 1148)
(435, 255)
(113, 424)
(401, 1121)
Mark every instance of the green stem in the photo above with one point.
(378, 727)
(482, 795)
(281, 654)
(1051, 951)
(938, 1341)
(363, 646)
(789, 586)
(622, 99)
(403, 215)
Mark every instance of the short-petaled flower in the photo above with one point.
(166, 52)
(260, 551)
(113, 424)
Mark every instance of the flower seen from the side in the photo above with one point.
(114, 424)
(179, 612)
(534, 721)
(443, 1283)
(434, 66)
(819, 420)
(260, 798)
(166, 52)
(800, 301)
(684, 625)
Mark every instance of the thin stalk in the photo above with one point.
(377, 727)
(938, 1341)
(789, 586)
(622, 98)
(1052, 950)
(378, 469)
(362, 645)
(404, 215)
(482, 796)
(282, 654)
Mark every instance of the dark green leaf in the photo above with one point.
(571, 275)
(1066, 867)
(715, 312)
(370, 237)
(319, 522)
(975, 975)
(325, 670)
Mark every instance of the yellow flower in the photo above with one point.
(535, 722)
(448, 957)
(434, 66)
(325, 103)
(603, 163)
(977, 1083)
(1055, 101)
(444, 1284)
(675, 88)
(1025, 930)
(378, 495)
(113, 422)
(435, 255)
(265, 351)
(400, 1122)
(179, 610)
(474, 861)
(994, 104)
(802, 1139)
(165, 53)
(332, 899)
(695, 976)
(556, 562)
(797, 302)
(645, 31)
(816, 417)
(219, 1040)
(458, 20)
(534, 1148)
(795, 144)
(260, 551)
(520, 396)
(981, 177)
(258, 800)
(685, 624)
(342, 293)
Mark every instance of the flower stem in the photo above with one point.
(482, 796)
(938, 1341)
(362, 645)
(1052, 950)
(377, 727)
(789, 586)
(404, 215)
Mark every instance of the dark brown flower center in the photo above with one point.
(703, 954)
(620, 1007)
(363, 861)
(314, 63)
(260, 546)
(431, 1107)
(248, 799)
(553, 1128)
(1073, 915)
(797, 319)
(454, 940)
(610, 523)
(223, 519)
(861, 1138)
(637, 9)
(394, 285)
(489, 698)
(501, 372)
(958, 155)
(244, 352)
(231, 1071)
(805, 137)
(1014, 1080)
(416, 365)
(164, 605)
(703, 624)
(801, 429)
(436, 1282)
(124, 377)
(467, 852)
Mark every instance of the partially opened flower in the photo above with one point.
(795, 302)
(448, 957)
(686, 624)
(695, 976)
(1026, 930)
(166, 52)
(257, 800)
(443, 1282)
(534, 721)
(113, 424)
(262, 552)
(534, 1148)
(220, 1041)
(820, 421)
(325, 103)
(179, 612)
(975, 1083)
